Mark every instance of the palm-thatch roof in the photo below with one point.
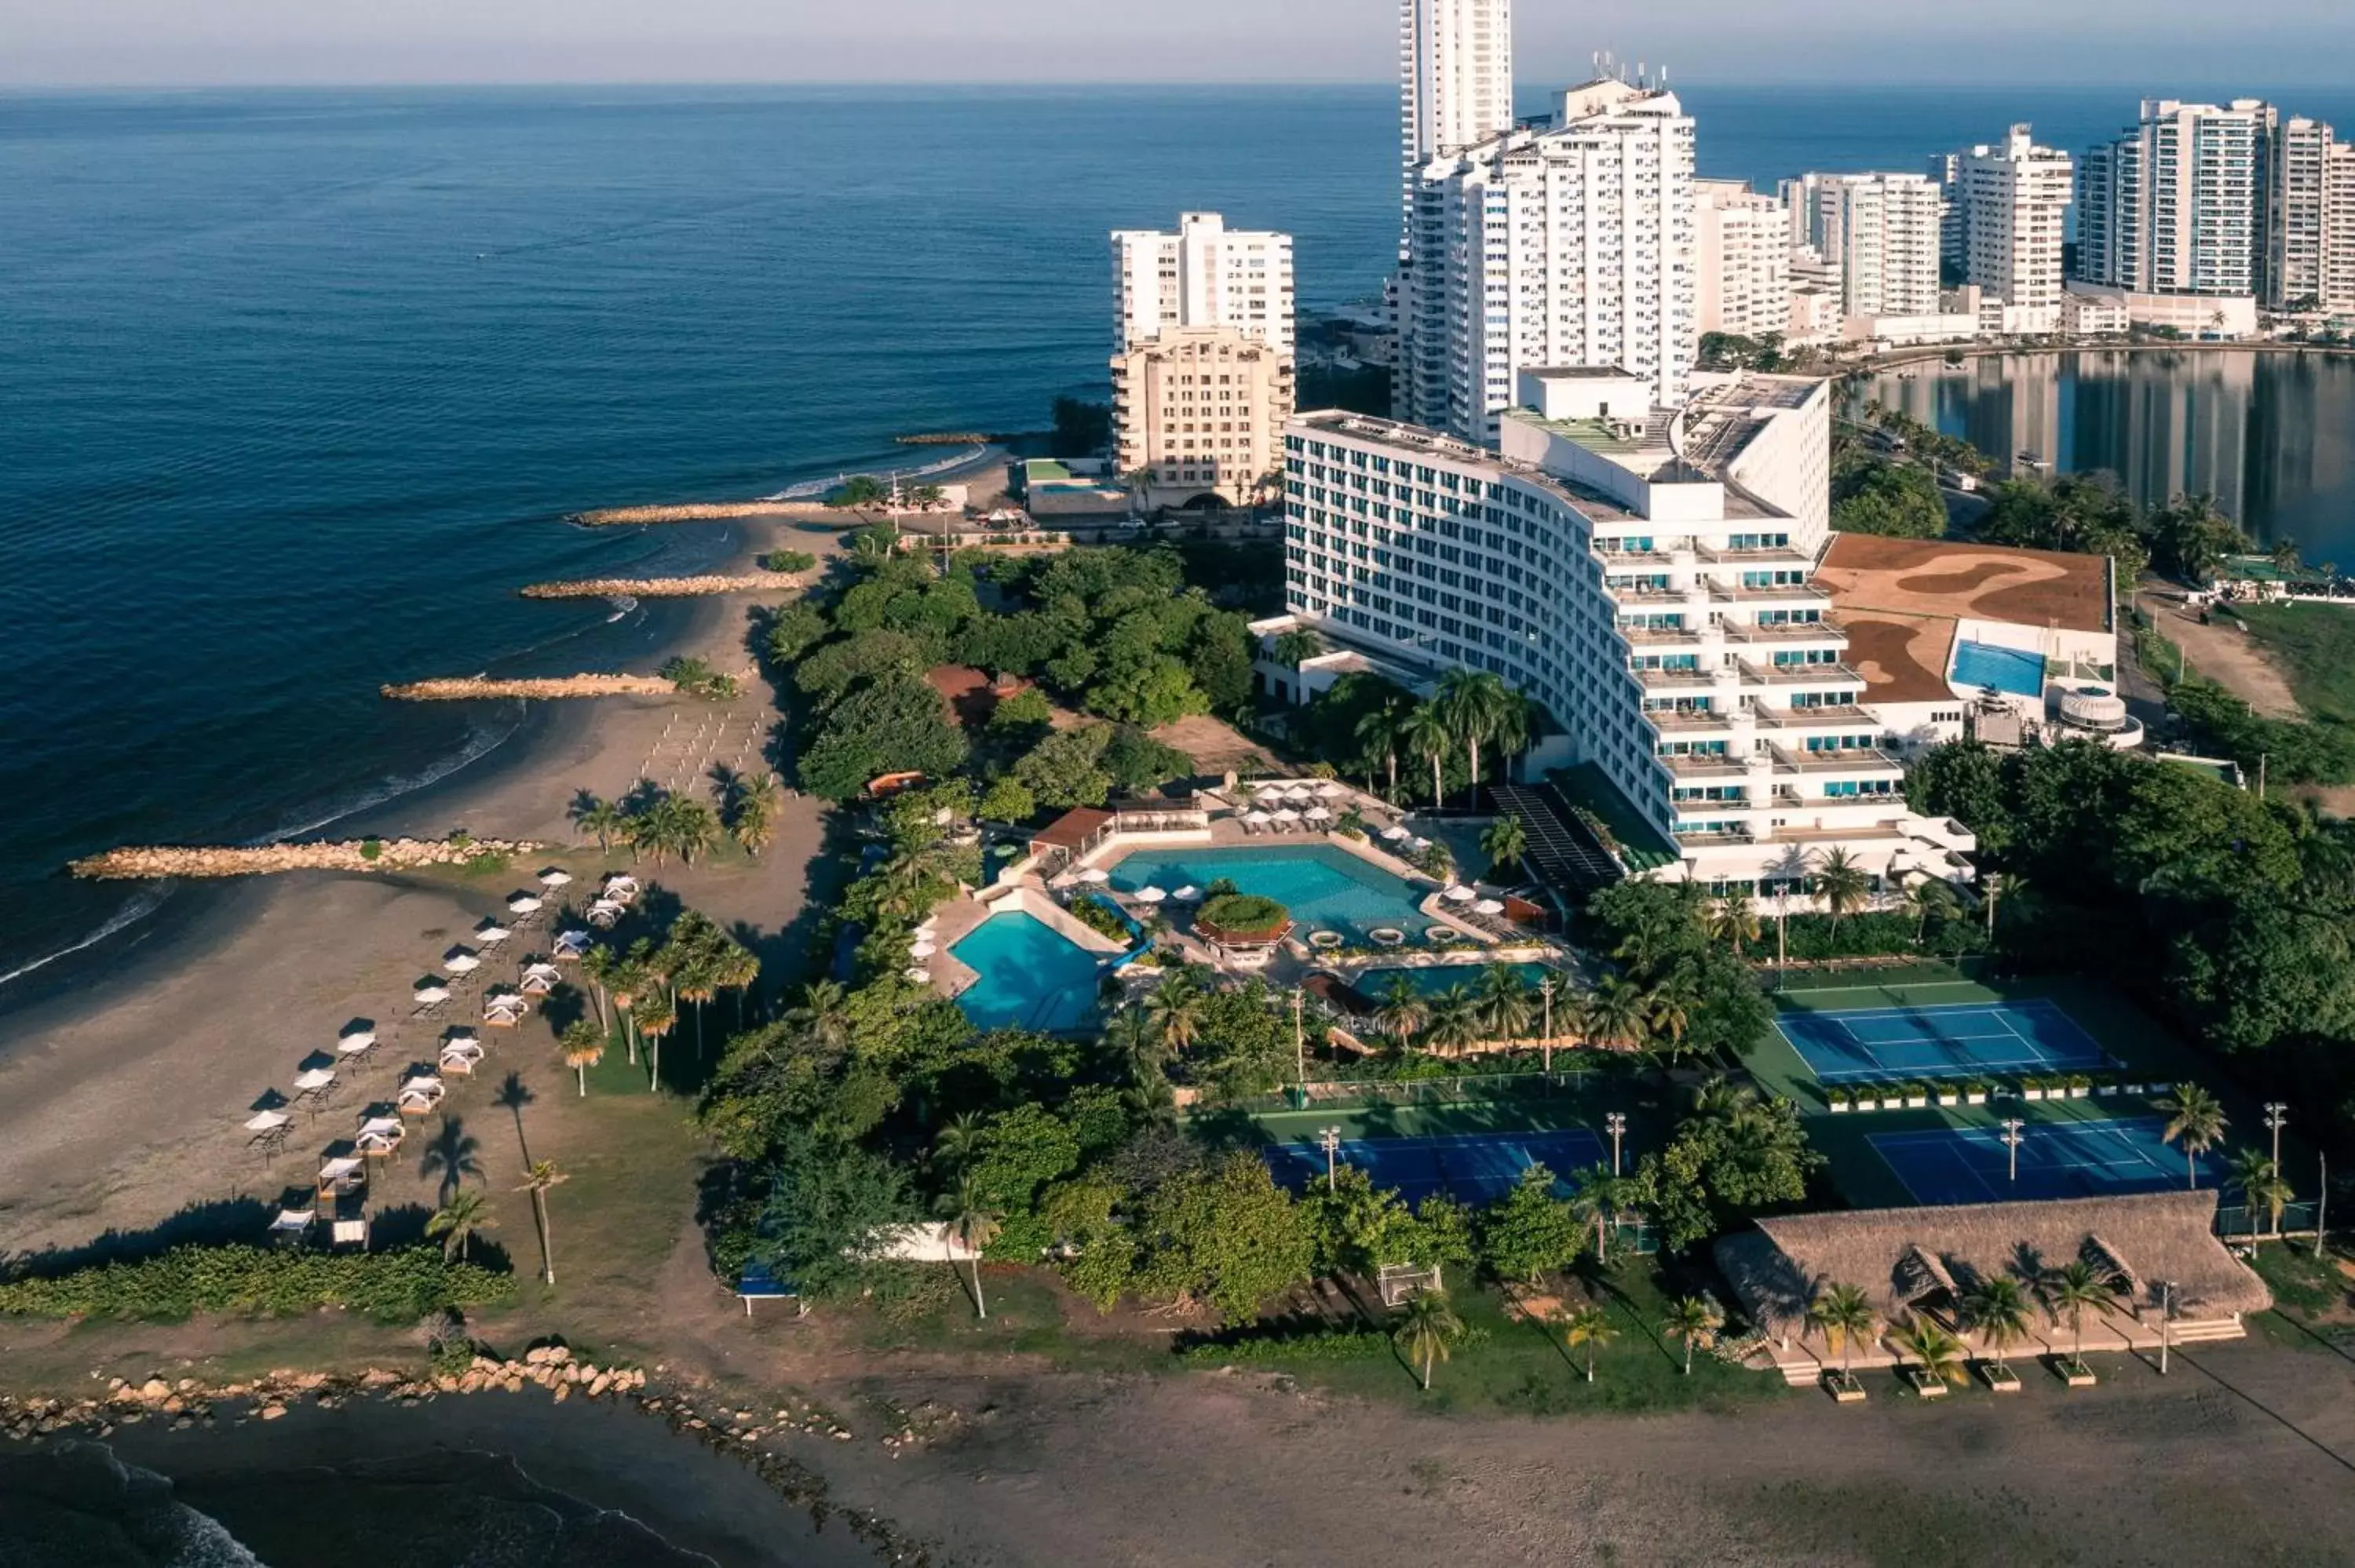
(1902, 1256)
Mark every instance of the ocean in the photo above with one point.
(301, 385)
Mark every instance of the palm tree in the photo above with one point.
(2259, 1182)
(1841, 883)
(1928, 898)
(735, 968)
(1843, 1314)
(1597, 1198)
(824, 1017)
(1997, 1310)
(957, 1142)
(1455, 1022)
(1425, 736)
(1473, 704)
(692, 828)
(1401, 1010)
(583, 1044)
(1614, 1012)
(751, 826)
(458, 1219)
(1137, 1044)
(1176, 1009)
(598, 966)
(1427, 1326)
(1505, 843)
(2070, 1289)
(1667, 1014)
(1941, 1355)
(600, 820)
(1378, 732)
(541, 1178)
(1506, 1005)
(973, 1225)
(453, 1155)
(1733, 919)
(1588, 1329)
(656, 1016)
(2196, 1122)
(1297, 647)
(1694, 1320)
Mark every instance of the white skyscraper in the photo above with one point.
(1567, 248)
(1882, 230)
(1456, 79)
(2309, 218)
(2015, 197)
(1742, 248)
(1205, 275)
(2174, 206)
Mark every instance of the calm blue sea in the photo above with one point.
(299, 386)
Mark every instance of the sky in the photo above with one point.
(2162, 45)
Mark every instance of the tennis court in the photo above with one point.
(2057, 1160)
(1953, 1039)
(1474, 1167)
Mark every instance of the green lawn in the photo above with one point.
(2151, 1052)
(1523, 1368)
(2316, 646)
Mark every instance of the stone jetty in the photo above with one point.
(141, 864)
(668, 587)
(694, 511)
(468, 688)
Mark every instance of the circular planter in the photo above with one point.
(1385, 937)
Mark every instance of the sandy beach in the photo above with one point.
(126, 1095)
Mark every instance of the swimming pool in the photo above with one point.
(1983, 665)
(1371, 983)
(1327, 888)
(1032, 976)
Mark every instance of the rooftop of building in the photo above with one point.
(1939, 578)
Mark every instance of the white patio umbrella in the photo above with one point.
(1258, 818)
(267, 1121)
(526, 903)
(430, 994)
(1394, 834)
(1317, 814)
(915, 974)
(553, 877)
(1332, 789)
(1150, 895)
(922, 950)
(459, 961)
(1460, 895)
(315, 1080)
(353, 1045)
(1096, 876)
(1487, 907)
(490, 933)
(1189, 893)
(1300, 794)
(1418, 845)
(1287, 815)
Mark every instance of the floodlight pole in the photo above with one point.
(1299, 1045)
(2013, 1138)
(1546, 990)
(1330, 1137)
(2165, 1315)
(2276, 1113)
(1616, 1122)
(2321, 1202)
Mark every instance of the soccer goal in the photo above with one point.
(1399, 1281)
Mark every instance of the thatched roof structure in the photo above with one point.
(1908, 1258)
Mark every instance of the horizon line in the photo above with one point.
(966, 86)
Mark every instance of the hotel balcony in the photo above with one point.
(1784, 596)
(1665, 636)
(1707, 766)
(1829, 717)
(1692, 721)
(1800, 674)
(1664, 598)
(1677, 680)
(1814, 631)
(1765, 556)
(1855, 759)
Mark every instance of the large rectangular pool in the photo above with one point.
(1032, 977)
(1327, 888)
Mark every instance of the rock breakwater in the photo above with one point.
(693, 512)
(463, 689)
(142, 863)
(665, 588)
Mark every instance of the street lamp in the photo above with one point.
(1616, 1123)
(2166, 1315)
(1330, 1138)
(2013, 1137)
(1546, 990)
(2277, 1113)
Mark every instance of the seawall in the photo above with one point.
(147, 863)
(465, 689)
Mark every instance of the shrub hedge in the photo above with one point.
(408, 1283)
(1335, 1345)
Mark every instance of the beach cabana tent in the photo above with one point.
(505, 1009)
(292, 1224)
(604, 912)
(419, 1095)
(380, 1137)
(539, 978)
(342, 1175)
(570, 946)
(621, 888)
(461, 1056)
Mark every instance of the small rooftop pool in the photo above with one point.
(1979, 666)
(1032, 977)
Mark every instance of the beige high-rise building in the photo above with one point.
(1742, 244)
(1200, 412)
(2338, 251)
(1205, 274)
(1882, 230)
(2015, 195)
(2309, 218)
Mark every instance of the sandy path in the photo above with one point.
(2229, 656)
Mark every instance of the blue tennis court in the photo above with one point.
(2057, 1160)
(1474, 1167)
(1956, 1039)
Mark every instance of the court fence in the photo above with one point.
(1470, 1088)
(2238, 1222)
(1858, 974)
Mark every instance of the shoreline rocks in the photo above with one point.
(694, 511)
(143, 863)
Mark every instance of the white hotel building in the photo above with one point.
(1567, 246)
(1645, 578)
